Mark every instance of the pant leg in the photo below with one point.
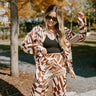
(39, 88)
(59, 85)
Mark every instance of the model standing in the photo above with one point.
(51, 47)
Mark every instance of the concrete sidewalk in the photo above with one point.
(89, 93)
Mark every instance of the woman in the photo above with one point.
(51, 47)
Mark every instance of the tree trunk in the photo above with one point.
(89, 23)
(71, 25)
(14, 38)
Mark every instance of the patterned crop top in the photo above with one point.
(52, 46)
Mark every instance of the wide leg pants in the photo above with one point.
(58, 78)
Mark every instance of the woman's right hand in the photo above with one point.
(73, 76)
(44, 51)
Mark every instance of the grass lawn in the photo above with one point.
(88, 47)
(6, 47)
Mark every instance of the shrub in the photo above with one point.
(3, 37)
(93, 28)
(21, 35)
(6, 36)
(88, 29)
(75, 29)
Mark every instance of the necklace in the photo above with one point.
(51, 34)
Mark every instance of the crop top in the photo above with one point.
(52, 46)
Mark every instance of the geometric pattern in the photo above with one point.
(51, 66)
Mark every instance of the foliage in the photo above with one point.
(21, 35)
(22, 27)
(89, 9)
(25, 10)
(76, 30)
(92, 3)
(88, 29)
(3, 37)
(93, 28)
(33, 8)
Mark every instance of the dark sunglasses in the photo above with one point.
(49, 17)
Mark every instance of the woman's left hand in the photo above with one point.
(80, 14)
(82, 20)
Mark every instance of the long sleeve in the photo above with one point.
(79, 37)
(32, 43)
(68, 53)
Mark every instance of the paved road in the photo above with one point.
(84, 67)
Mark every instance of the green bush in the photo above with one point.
(22, 27)
(3, 37)
(88, 29)
(21, 35)
(6, 37)
(75, 29)
(93, 28)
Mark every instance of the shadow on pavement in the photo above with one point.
(91, 42)
(7, 89)
(85, 66)
(22, 57)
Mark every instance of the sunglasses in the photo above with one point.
(49, 17)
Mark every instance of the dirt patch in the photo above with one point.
(21, 86)
(10, 86)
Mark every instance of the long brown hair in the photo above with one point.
(60, 23)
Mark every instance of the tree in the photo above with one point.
(14, 38)
(70, 9)
(90, 11)
(25, 10)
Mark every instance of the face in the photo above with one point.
(51, 19)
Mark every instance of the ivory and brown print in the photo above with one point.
(51, 66)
